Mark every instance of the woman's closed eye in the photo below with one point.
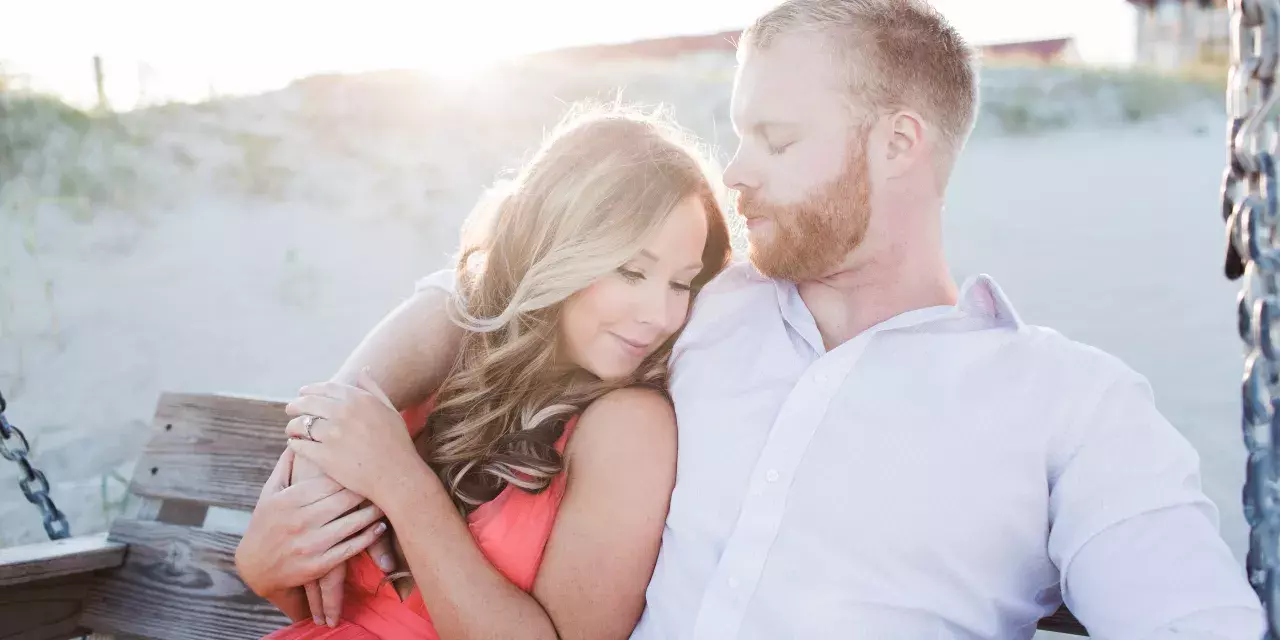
(633, 276)
(630, 275)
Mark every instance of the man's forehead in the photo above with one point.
(786, 82)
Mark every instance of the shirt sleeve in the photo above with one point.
(1132, 533)
(444, 279)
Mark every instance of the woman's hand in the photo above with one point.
(298, 533)
(324, 596)
(357, 437)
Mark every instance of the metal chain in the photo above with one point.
(34, 485)
(1249, 207)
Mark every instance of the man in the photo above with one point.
(866, 451)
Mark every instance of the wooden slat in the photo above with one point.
(82, 554)
(1063, 621)
(181, 512)
(177, 583)
(45, 610)
(211, 449)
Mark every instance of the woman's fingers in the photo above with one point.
(314, 602)
(383, 553)
(313, 451)
(333, 390)
(346, 526)
(297, 427)
(312, 490)
(325, 510)
(348, 548)
(318, 406)
(331, 593)
(279, 479)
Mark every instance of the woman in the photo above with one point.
(528, 494)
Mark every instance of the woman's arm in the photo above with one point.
(411, 351)
(597, 564)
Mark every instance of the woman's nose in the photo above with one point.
(652, 306)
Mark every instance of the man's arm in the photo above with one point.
(1134, 536)
(412, 349)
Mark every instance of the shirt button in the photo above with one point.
(771, 475)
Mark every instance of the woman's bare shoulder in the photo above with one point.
(635, 426)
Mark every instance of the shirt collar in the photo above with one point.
(980, 298)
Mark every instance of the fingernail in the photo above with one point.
(332, 622)
(318, 620)
(379, 528)
(384, 563)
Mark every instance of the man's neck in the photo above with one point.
(854, 299)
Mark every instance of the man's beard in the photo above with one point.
(811, 238)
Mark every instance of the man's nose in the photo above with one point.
(739, 175)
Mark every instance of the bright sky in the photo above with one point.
(181, 48)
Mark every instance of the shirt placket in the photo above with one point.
(724, 603)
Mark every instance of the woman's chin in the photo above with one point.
(612, 371)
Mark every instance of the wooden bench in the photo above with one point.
(160, 573)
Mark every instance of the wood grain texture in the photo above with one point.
(44, 610)
(211, 449)
(38, 562)
(177, 583)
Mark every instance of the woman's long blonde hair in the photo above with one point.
(604, 181)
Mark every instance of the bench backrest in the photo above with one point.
(179, 579)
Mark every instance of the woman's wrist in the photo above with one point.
(249, 576)
(404, 487)
(292, 602)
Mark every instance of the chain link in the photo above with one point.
(35, 486)
(1250, 209)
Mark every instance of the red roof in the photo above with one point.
(1203, 3)
(671, 47)
(1043, 49)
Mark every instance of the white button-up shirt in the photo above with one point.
(949, 473)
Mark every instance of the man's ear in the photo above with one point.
(906, 134)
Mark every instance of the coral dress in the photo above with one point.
(511, 530)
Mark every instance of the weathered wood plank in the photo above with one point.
(177, 583)
(1063, 621)
(211, 449)
(182, 512)
(41, 561)
(45, 610)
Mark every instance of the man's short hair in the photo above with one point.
(905, 53)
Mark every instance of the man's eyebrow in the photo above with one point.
(771, 128)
